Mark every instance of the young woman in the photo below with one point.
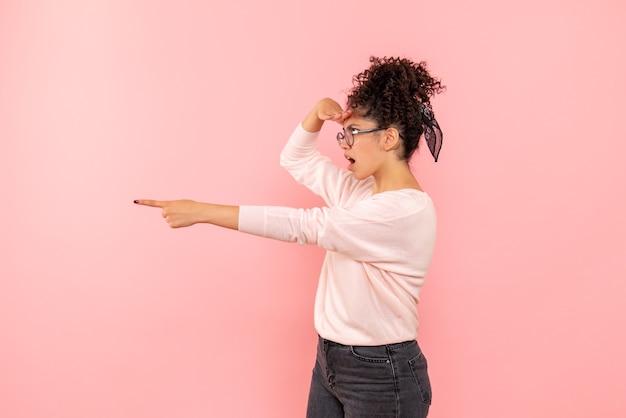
(379, 232)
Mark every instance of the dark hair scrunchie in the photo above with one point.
(432, 131)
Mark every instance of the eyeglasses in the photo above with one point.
(348, 135)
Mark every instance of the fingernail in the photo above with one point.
(135, 201)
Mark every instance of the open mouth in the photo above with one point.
(350, 160)
(350, 163)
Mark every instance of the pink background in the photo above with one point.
(106, 312)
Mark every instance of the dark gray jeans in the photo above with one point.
(365, 381)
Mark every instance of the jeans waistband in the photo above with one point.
(392, 346)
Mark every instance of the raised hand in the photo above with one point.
(329, 109)
(325, 109)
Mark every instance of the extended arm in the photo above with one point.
(181, 213)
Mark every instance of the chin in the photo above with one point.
(359, 176)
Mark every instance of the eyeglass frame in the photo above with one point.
(343, 135)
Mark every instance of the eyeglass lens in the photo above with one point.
(345, 136)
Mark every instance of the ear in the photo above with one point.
(392, 139)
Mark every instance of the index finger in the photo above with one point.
(152, 203)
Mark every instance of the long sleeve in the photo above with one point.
(308, 167)
(379, 247)
(385, 228)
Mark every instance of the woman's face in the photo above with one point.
(366, 153)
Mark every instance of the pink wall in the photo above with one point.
(105, 312)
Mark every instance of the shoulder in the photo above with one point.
(411, 200)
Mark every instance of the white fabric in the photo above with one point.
(379, 247)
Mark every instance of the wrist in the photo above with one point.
(312, 123)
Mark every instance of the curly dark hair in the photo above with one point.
(391, 92)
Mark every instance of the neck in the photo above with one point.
(396, 177)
